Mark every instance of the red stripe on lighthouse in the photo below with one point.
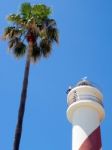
(93, 141)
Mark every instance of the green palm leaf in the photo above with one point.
(41, 11)
(26, 10)
(14, 18)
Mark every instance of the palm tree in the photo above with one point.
(31, 32)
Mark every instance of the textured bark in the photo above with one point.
(18, 131)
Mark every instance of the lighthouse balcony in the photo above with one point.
(76, 98)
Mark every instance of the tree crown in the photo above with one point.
(31, 25)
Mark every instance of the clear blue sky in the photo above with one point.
(85, 49)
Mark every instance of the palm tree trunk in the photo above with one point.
(18, 131)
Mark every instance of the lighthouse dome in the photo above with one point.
(84, 82)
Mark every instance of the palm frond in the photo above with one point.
(12, 32)
(14, 18)
(52, 34)
(19, 49)
(8, 32)
(41, 11)
(12, 42)
(50, 23)
(17, 20)
(35, 53)
(46, 47)
(43, 34)
(26, 10)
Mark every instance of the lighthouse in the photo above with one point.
(85, 112)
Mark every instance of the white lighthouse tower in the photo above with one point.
(85, 112)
